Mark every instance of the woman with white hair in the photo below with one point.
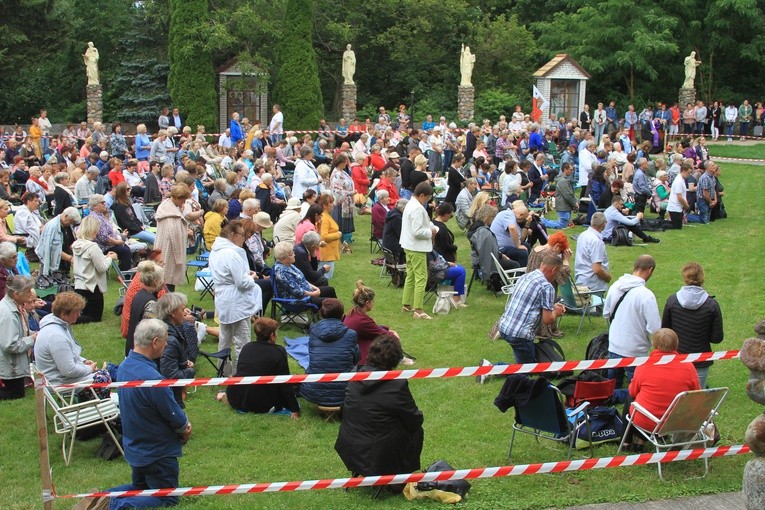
(55, 247)
(29, 222)
(175, 362)
(63, 197)
(90, 269)
(290, 282)
(16, 341)
(379, 210)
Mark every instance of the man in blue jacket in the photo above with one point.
(153, 424)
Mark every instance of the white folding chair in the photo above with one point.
(509, 277)
(683, 425)
(70, 416)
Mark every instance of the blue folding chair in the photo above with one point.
(545, 417)
(292, 310)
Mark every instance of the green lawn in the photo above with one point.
(721, 150)
(461, 423)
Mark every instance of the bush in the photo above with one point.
(192, 77)
(298, 89)
(492, 103)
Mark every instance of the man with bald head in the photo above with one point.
(633, 314)
(507, 228)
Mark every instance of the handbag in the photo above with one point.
(582, 296)
(460, 487)
(444, 303)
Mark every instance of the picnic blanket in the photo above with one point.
(298, 349)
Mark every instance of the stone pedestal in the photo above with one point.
(753, 357)
(95, 103)
(466, 103)
(686, 96)
(348, 102)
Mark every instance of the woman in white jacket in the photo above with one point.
(90, 269)
(237, 296)
(417, 241)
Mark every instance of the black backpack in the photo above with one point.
(549, 351)
(460, 487)
(621, 237)
(598, 349)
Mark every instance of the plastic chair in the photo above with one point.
(571, 295)
(546, 417)
(70, 416)
(684, 424)
(291, 310)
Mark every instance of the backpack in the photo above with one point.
(460, 487)
(598, 349)
(621, 237)
(549, 351)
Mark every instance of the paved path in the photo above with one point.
(724, 501)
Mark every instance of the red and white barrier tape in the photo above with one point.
(424, 373)
(722, 135)
(738, 160)
(459, 474)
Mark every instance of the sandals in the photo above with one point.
(407, 309)
(422, 315)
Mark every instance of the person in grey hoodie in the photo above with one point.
(695, 316)
(636, 317)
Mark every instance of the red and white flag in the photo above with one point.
(538, 103)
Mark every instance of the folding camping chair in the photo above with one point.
(292, 311)
(684, 424)
(223, 356)
(576, 302)
(509, 277)
(123, 277)
(546, 417)
(394, 267)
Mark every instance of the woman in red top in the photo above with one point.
(359, 320)
(654, 387)
(359, 175)
(115, 174)
(386, 183)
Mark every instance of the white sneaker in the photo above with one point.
(481, 379)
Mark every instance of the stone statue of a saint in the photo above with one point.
(690, 70)
(90, 57)
(467, 61)
(349, 65)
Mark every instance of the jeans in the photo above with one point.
(519, 255)
(448, 155)
(457, 275)
(523, 349)
(599, 128)
(703, 373)
(416, 279)
(275, 139)
(145, 236)
(564, 217)
(699, 128)
(161, 474)
(729, 129)
(743, 128)
(704, 210)
(619, 373)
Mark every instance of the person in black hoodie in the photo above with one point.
(454, 179)
(381, 432)
(696, 318)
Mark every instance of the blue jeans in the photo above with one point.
(457, 275)
(729, 129)
(704, 210)
(599, 129)
(145, 236)
(703, 373)
(161, 474)
(743, 128)
(519, 255)
(275, 139)
(619, 373)
(448, 155)
(562, 222)
(523, 349)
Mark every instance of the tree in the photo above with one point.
(192, 77)
(297, 86)
(139, 88)
(620, 42)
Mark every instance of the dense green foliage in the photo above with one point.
(297, 85)
(192, 77)
(633, 50)
(461, 423)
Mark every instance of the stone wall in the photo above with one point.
(348, 102)
(686, 96)
(95, 103)
(466, 103)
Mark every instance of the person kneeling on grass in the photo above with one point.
(262, 357)
(381, 432)
(615, 217)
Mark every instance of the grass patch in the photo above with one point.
(461, 423)
(721, 150)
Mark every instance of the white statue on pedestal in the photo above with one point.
(467, 61)
(349, 65)
(690, 70)
(90, 57)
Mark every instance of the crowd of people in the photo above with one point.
(86, 202)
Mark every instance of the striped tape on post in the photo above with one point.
(459, 474)
(424, 373)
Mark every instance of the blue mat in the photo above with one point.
(298, 349)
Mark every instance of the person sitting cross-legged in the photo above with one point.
(615, 216)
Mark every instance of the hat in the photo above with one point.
(393, 155)
(293, 203)
(104, 154)
(263, 219)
